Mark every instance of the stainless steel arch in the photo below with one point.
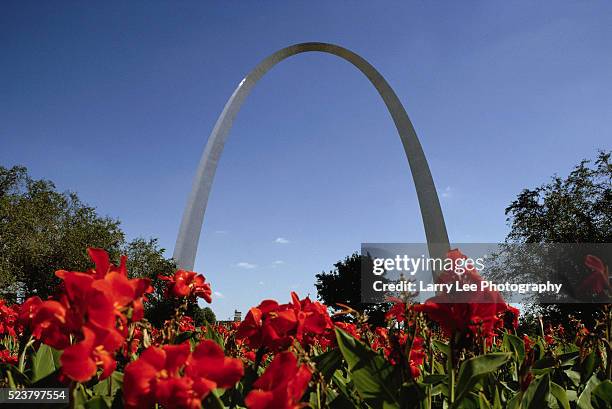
(193, 217)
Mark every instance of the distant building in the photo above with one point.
(229, 322)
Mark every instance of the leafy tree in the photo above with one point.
(575, 209)
(342, 285)
(43, 230)
(204, 315)
(146, 259)
(571, 210)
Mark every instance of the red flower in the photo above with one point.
(528, 343)
(393, 345)
(174, 378)
(209, 362)
(188, 284)
(186, 324)
(281, 386)
(397, 312)
(598, 281)
(479, 314)
(417, 356)
(275, 326)
(7, 358)
(8, 319)
(49, 322)
(94, 309)
(349, 328)
(310, 317)
(81, 360)
(150, 378)
(512, 315)
(252, 328)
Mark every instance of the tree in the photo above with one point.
(343, 286)
(572, 210)
(43, 230)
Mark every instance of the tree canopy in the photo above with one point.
(575, 209)
(43, 230)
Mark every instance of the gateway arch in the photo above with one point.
(193, 216)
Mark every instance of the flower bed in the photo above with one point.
(92, 339)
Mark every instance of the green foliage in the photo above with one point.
(44, 362)
(474, 369)
(372, 375)
(43, 230)
(575, 209)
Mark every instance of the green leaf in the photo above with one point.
(515, 345)
(515, 402)
(328, 362)
(497, 401)
(584, 400)
(536, 395)
(15, 377)
(43, 362)
(184, 336)
(545, 363)
(109, 386)
(559, 393)
(434, 379)
(372, 375)
(568, 359)
(214, 335)
(483, 402)
(573, 376)
(474, 369)
(590, 363)
(97, 402)
(212, 401)
(601, 397)
(441, 346)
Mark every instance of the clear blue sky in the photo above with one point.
(115, 101)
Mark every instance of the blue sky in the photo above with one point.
(115, 101)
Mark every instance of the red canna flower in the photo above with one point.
(528, 343)
(393, 344)
(7, 358)
(349, 328)
(252, 328)
(208, 362)
(8, 319)
(417, 357)
(94, 309)
(598, 281)
(150, 378)
(275, 326)
(477, 315)
(80, 361)
(175, 378)
(188, 284)
(310, 317)
(397, 312)
(49, 323)
(281, 386)
(511, 316)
